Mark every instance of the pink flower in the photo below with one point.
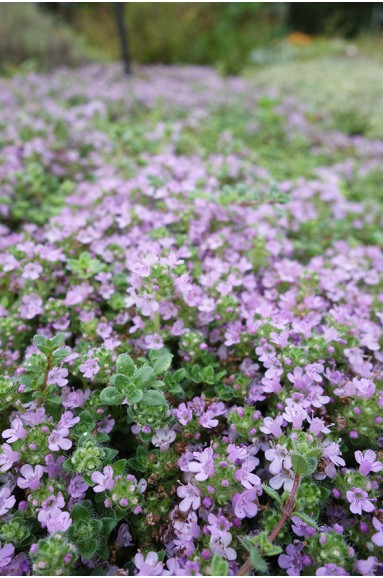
(32, 271)
(183, 414)
(367, 462)
(148, 566)
(191, 497)
(163, 438)
(203, 467)
(272, 426)
(8, 457)
(57, 376)
(7, 501)
(284, 478)
(295, 414)
(59, 440)
(31, 305)
(243, 504)
(103, 480)
(6, 553)
(244, 475)
(90, 368)
(359, 501)
(208, 420)
(30, 477)
(58, 521)
(16, 432)
(279, 457)
(377, 538)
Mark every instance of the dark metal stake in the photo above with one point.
(123, 36)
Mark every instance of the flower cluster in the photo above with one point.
(191, 336)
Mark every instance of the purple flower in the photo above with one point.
(6, 554)
(51, 506)
(331, 569)
(272, 426)
(58, 440)
(67, 420)
(183, 414)
(285, 478)
(30, 477)
(243, 504)
(90, 368)
(367, 462)
(293, 561)
(148, 566)
(124, 537)
(57, 376)
(7, 501)
(219, 544)
(295, 414)
(153, 341)
(163, 438)
(300, 528)
(244, 475)
(16, 432)
(208, 420)
(359, 502)
(191, 497)
(58, 521)
(8, 457)
(103, 480)
(367, 567)
(203, 467)
(32, 271)
(77, 487)
(279, 458)
(31, 305)
(377, 538)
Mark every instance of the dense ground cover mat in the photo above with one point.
(191, 329)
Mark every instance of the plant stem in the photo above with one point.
(45, 380)
(286, 513)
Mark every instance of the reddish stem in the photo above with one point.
(286, 513)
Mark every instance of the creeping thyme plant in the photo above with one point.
(191, 331)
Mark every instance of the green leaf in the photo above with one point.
(135, 397)
(143, 377)
(58, 340)
(68, 466)
(219, 566)
(312, 465)
(163, 362)
(111, 396)
(122, 382)
(108, 525)
(60, 354)
(300, 465)
(208, 375)
(80, 513)
(154, 398)
(272, 493)
(119, 467)
(110, 453)
(259, 564)
(307, 520)
(87, 549)
(39, 341)
(125, 365)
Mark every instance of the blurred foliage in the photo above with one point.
(345, 83)
(223, 34)
(34, 38)
(340, 18)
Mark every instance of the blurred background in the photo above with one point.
(232, 36)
